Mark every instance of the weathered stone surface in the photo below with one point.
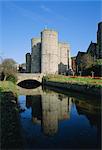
(36, 55)
(28, 62)
(48, 56)
(29, 76)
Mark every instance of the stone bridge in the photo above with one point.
(29, 76)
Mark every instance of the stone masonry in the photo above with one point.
(48, 55)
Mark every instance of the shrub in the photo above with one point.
(12, 78)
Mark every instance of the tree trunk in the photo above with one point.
(5, 78)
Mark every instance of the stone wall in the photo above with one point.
(36, 59)
(63, 58)
(36, 55)
(49, 55)
(28, 63)
(34, 41)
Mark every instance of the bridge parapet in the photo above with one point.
(29, 76)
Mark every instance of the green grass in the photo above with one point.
(75, 80)
(8, 86)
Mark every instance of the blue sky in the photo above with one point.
(75, 21)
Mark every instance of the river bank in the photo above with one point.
(53, 120)
(84, 85)
(10, 128)
(8, 86)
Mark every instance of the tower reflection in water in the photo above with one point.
(48, 109)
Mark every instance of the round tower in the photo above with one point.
(69, 58)
(63, 58)
(28, 63)
(34, 41)
(49, 51)
(36, 55)
(50, 114)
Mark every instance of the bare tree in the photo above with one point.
(9, 67)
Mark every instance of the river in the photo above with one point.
(50, 119)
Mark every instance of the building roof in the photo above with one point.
(74, 57)
(81, 53)
(91, 47)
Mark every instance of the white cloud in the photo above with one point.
(43, 7)
(28, 13)
(50, 11)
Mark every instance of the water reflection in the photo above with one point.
(48, 110)
(72, 122)
(91, 111)
(93, 114)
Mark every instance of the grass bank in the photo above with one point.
(83, 85)
(8, 86)
(96, 82)
(10, 127)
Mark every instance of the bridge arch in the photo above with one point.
(29, 76)
(29, 84)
